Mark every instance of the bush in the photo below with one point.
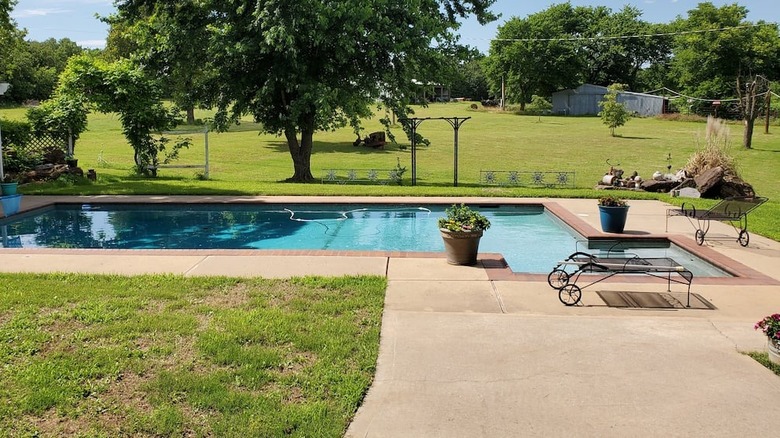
(715, 151)
(15, 132)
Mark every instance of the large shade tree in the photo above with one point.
(529, 57)
(300, 66)
(170, 40)
(564, 46)
(719, 47)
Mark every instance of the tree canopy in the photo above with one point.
(300, 66)
(701, 55)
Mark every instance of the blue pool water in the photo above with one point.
(530, 239)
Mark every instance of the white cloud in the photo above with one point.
(92, 44)
(26, 13)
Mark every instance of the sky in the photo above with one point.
(76, 19)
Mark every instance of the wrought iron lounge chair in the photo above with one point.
(566, 283)
(732, 210)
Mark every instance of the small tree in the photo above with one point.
(122, 88)
(613, 113)
(539, 105)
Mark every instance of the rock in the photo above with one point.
(44, 168)
(687, 182)
(732, 186)
(708, 181)
(658, 186)
(686, 192)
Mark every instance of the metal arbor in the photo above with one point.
(414, 122)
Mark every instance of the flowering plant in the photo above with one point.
(612, 201)
(462, 218)
(770, 325)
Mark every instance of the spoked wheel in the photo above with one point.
(744, 238)
(558, 278)
(700, 237)
(570, 294)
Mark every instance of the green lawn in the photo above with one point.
(173, 356)
(246, 163)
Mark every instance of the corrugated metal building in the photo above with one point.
(584, 100)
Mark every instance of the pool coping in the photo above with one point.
(493, 264)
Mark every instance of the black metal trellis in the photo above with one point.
(415, 122)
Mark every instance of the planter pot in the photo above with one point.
(8, 188)
(774, 351)
(613, 219)
(461, 247)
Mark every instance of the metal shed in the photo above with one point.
(584, 100)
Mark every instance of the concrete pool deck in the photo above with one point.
(475, 351)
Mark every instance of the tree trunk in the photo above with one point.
(748, 139)
(301, 151)
(749, 112)
(190, 115)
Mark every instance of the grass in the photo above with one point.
(244, 162)
(173, 356)
(763, 359)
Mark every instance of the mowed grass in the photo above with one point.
(244, 162)
(173, 356)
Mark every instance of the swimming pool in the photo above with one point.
(530, 239)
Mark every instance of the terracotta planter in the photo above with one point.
(461, 246)
(613, 219)
(773, 348)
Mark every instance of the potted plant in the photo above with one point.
(9, 185)
(612, 212)
(71, 161)
(461, 230)
(770, 325)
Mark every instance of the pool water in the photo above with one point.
(530, 239)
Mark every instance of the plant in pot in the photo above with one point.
(461, 230)
(71, 161)
(770, 325)
(9, 185)
(613, 212)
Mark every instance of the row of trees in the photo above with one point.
(33, 67)
(701, 55)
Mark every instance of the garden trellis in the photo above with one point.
(415, 122)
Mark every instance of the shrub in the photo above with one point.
(715, 151)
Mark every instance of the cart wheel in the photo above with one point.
(700, 237)
(570, 294)
(744, 238)
(558, 278)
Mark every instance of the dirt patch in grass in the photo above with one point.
(234, 297)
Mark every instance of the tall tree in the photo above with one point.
(38, 64)
(615, 46)
(470, 80)
(170, 41)
(529, 57)
(707, 64)
(300, 66)
(11, 42)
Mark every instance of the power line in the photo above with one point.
(623, 37)
(677, 94)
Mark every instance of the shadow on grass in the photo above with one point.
(322, 147)
(628, 137)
